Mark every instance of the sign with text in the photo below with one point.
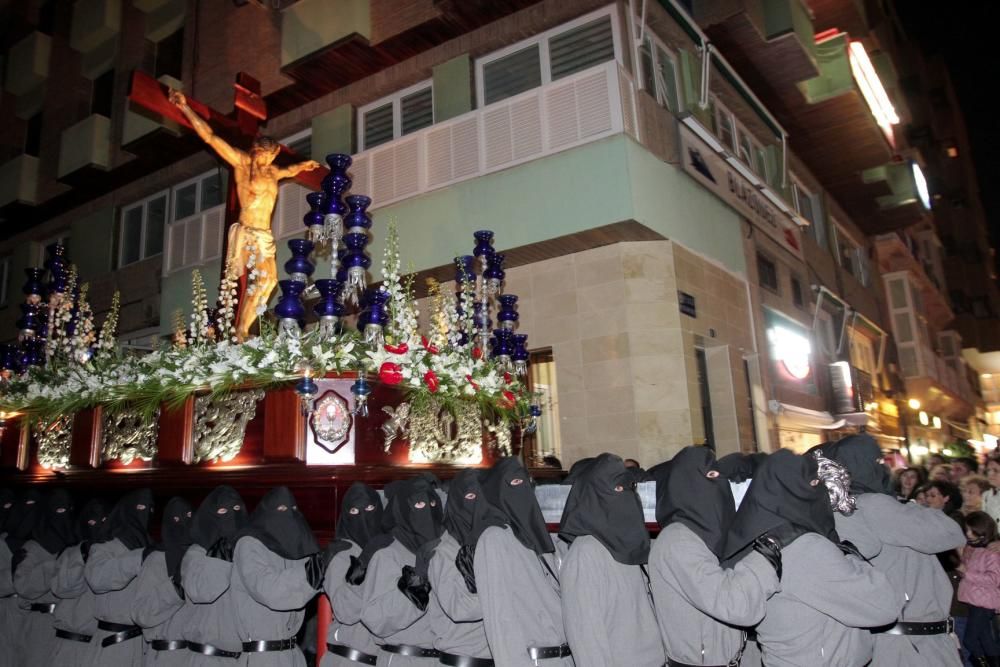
(711, 170)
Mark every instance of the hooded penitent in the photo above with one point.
(508, 488)
(738, 468)
(6, 505)
(175, 535)
(786, 499)
(221, 514)
(603, 503)
(415, 512)
(56, 528)
(25, 514)
(862, 457)
(279, 525)
(692, 491)
(468, 513)
(92, 522)
(360, 515)
(130, 519)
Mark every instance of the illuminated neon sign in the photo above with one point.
(792, 350)
(872, 90)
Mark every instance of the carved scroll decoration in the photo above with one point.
(127, 435)
(54, 440)
(438, 436)
(220, 423)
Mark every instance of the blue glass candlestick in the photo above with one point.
(494, 274)
(58, 266)
(334, 185)
(34, 288)
(484, 243)
(298, 267)
(358, 219)
(361, 391)
(503, 348)
(507, 316)
(376, 317)
(30, 321)
(313, 220)
(290, 311)
(521, 355)
(356, 262)
(328, 309)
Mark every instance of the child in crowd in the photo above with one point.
(980, 590)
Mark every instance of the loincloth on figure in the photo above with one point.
(242, 238)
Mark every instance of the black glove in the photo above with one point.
(222, 549)
(314, 570)
(784, 535)
(770, 549)
(464, 560)
(359, 565)
(356, 572)
(148, 550)
(85, 550)
(415, 587)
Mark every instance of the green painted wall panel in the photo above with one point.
(453, 94)
(333, 132)
(90, 243)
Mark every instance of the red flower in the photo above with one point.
(472, 382)
(508, 400)
(390, 373)
(477, 353)
(397, 349)
(507, 378)
(431, 380)
(433, 349)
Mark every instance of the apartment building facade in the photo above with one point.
(692, 231)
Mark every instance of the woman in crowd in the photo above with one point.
(908, 480)
(159, 597)
(396, 590)
(940, 472)
(944, 496)
(467, 514)
(206, 571)
(972, 488)
(980, 590)
(700, 605)
(111, 571)
(517, 575)
(348, 641)
(277, 570)
(35, 569)
(74, 620)
(828, 599)
(606, 601)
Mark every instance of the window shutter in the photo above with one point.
(581, 48)
(512, 74)
(213, 228)
(666, 78)
(378, 126)
(417, 111)
(175, 246)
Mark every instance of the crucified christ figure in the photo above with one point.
(257, 188)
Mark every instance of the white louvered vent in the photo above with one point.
(360, 176)
(593, 104)
(383, 184)
(192, 241)
(289, 211)
(526, 127)
(175, 248)
(627, 96)
(407, 168)
(562, 125)
(212, 228)
(439, 157)
(496, 136)
(465, 148)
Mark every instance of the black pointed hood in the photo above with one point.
(360, 515)
(130, 519)
(221, 514)
(56, 528)
(7, 502)
(603, 503)
(862, 457)
(468, 512)
(92, 522)
(692, 491)
(786, 496)
(280, 526)
(415, 512)
(175, 535)
(508, 487)
(738, 467)
(25, 514)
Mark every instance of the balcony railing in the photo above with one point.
(588, 106)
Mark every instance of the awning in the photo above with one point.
(795, 417)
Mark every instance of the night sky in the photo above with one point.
(965, 33)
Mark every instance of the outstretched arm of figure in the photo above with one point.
(295, 169)
(204, 130)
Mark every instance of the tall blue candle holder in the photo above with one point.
(289, 309)
(298, 267)
(328, 309)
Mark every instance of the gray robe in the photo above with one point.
(520, 599)
(111, 572)
(826, 603)
(607, 609)
(901, 540)
(389, 614)
(11, 616)
(346, 627)
(33, 583)
(75, 611)
(153, 609)
(461, 631)
(269, 593)
(212, 614)
(698, 601)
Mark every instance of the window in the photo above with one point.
(553, 55)
(141, 230)
(659, 72)
(396, 116)
(862, 353)
(33, 136)
(751, 152)
(797, 297)
(724, 128)
(542, 381)
(4, 279)
(170, 56)
(300, 143)
(767, 272)
(852, 256)
(102, 94)
(197, 195)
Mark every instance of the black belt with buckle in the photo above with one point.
(168, 644)
(43, 607)
(549, 652)
(209, 650)
(74, 636)
(352, 654)
(464, 660)
(411, 651)
(944, 627)
(120, 632)
(267, 646)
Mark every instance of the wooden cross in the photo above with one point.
(239, 129)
